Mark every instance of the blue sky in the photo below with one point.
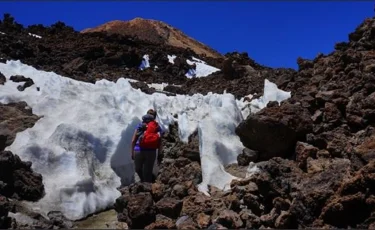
(273, 33)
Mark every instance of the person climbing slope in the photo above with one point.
(146, 142)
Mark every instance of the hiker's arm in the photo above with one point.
(134, 141)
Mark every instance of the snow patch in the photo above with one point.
(145, 62)
(22, 218)
(35, 35)
(251, 170)
(81, 144)
(202, 69)
(2, 33)
(171, 58)
(158, 86)
(271, 93)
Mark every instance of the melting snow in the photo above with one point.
(34, 35)
(145, 62)
(81, 144)
(171, 58)
(251, 170)
(271, 93)
(202, 69)
(158, 86)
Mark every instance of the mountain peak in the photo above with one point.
(154, 31)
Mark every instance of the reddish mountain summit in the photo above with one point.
(156, 32)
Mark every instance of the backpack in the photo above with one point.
(150, 138)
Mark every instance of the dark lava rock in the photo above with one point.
(246, 157)
(2, 79)
(273, 132)
(18, 179)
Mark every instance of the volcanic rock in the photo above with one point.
(14, 118)
(137, 210)
(18, 179)
(2, 79)
(5, 221)
(156, 32)
(246, 157)
(274, 131)
(169, 207)
(162, 222)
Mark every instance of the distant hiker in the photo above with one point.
(146, 141)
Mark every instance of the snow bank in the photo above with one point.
(35, 35)
(145, 62)
(271, 93)
(202, 69)
(81, 144)
(171, 58)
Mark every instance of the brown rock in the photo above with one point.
(234, 202)
(304, 151)
(169, 207)
(5, 221)
(2, 79)
(180, 190)
(323, 153)
(157, 191)
(244, 186)
(339, 212)
(366, 150)
(281, 204)
(246, 157)
(203, 220)
(285, 220)
(193, 205)
(162, 222)
(186, 222)
(252, 221)
(229, 219)
(253, 203)
(274, 131)
(317, 117)
(331, 113)
(191, 150)
(269, 219)
(14, 118)
(18, 179)
(137, 210)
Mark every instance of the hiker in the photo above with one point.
(146, 142)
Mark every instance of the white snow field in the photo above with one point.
(81, 145)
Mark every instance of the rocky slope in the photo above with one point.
(156, 32)
(97, 55)
(327, 131)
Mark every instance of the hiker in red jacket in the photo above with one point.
(145, 142)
